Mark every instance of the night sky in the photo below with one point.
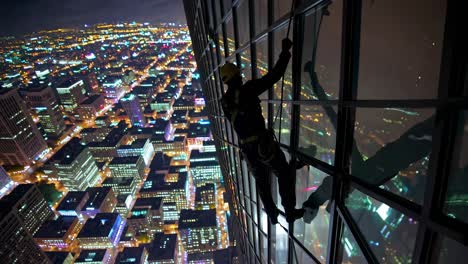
(18, 17)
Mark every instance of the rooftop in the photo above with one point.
(197, 218)
(163, 247)
(97, 196)
(56, 228)
(99, 226)
(72, 200)
(91, 256)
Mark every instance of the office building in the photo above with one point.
(44, 102)
(16, 243)
(206, 197)
(132, 107)
(90, 107)
(106, 149)
(132, 166)
(339, 89)
(147, 215)
(71, 92)
(76, 167)
(20, 140)
(163, 249)
(101, 200)
(58, 234)
(101, 232)
(94, 134)
(113, 89)
(27, 203)
(142, 147)
(96, 256)
(60, 257)
(198, 230)
(6, 184)
(73, 203)
(200, 257)
(136, 255)
(205, 172)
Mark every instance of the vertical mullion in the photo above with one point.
(444, 135)
(271, 229)
(351, 24)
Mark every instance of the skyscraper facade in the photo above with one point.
(20, 140)
(375, 108)
(43, 101)
(71, 93)
(133, 109)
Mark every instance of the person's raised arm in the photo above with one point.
(275, 74)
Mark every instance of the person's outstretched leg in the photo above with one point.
(262, 181)
(286, 183)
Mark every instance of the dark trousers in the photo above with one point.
(259, 167)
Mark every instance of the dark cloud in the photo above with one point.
(22, 16)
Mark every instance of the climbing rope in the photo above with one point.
(280, 110)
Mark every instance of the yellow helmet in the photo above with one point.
(228, 71)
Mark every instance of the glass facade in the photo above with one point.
(374, 98)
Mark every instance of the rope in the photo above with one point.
(280, 110)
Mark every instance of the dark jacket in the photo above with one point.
(241, 105)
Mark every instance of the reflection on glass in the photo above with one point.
(218, 10)
(246, 65)
(280, 244)
(264, 249)
(392, 148)
(243, 27)
(321, 51)
(313, 236)
(230, 36)
(263, 219)
(317, 136)
(264, 106)
(401, 47)
(227, 4)
(452, 252)
(299, 256)
(261, 15)
(283, 119)
(388, 232)
(281, 7)
(279, 35)
(262, 61)
(221, 44)
(456, 203)
(350, 251)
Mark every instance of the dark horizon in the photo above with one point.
(18, 18)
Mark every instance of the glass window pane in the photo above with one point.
(351, 253)
(281, 7)
(389, 233)
(218, 11)
(452, 252)
(275, 188)
(243, 24)
(221, 44)
(393, 149)
(246, 65)
(321, 39)
(283, 119)
(279, 35)
(455, 204)
(230, 36)
(262, 61)
(261, 15)
(317, 134)
(280, 243)
(313, 236)
(227, 5)
(264, 249)
(401, 47)
(263, 219)
(264, 106)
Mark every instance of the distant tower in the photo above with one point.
(71, 93)
(20, 140)
(43, 100)
(132, 106)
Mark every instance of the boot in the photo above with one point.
(294, 214)
(316, 199)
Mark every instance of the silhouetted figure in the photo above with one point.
(241, 106)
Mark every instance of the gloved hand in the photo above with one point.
(286, 44)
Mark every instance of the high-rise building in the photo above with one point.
(90, 107)
(142, 147)
(20, 140)
(58, 234)
(198, 230)
(135, 255)
(71, 92)
(388, 127)
(97, 256)
(22, 212)
(101, 232)
(206, 197)
(28, 204)
(76, 167)
(132, 166)
(113, 88)
(101, 200)
(42, 99)
(204, 167)
(163, 249)
(133, 109)
(6, 184)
